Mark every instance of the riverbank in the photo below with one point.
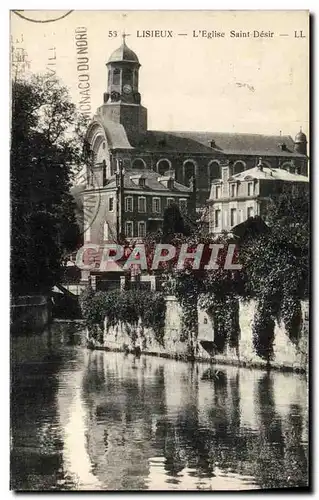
(222, 360)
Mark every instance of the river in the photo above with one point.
(95, 420)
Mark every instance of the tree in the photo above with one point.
(46, 148)
(276, 264)
(173, 223)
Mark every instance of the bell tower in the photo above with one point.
(122, 101)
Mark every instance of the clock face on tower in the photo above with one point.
(127, 89)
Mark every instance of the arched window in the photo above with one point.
(239, 166)
(163, 166)
(213, 171)
(189, 169)
(127, 76)
(139, 164)
(116, 76)
(135, 79)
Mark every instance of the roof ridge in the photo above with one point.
(220, 133)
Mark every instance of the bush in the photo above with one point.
(127, 307)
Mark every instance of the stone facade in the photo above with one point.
(236, 197)
(133, 205)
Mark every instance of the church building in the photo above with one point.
(165, 165)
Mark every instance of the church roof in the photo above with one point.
(151, 182)
(123, 53)
(218, 142)
(114, 132)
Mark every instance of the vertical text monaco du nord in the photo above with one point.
(82, 66)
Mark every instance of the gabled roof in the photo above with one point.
(151, 182)
(223, 143)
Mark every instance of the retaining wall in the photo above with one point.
(286, 354)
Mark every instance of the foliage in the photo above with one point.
(187, 288)
(275, 273)
(45, 148)
(173, 223)
(127, 307)
(276, 265)
(214, 289)
(291, 316)
(263, 330)
(224, 312)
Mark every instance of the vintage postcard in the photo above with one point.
(159, 250)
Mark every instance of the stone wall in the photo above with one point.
(286, 354)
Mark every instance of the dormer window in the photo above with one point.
(167, 181)
(283, 146)
(139, 180)
(212, 143)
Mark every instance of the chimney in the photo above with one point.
(260, 164)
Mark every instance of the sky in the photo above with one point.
(249, 84)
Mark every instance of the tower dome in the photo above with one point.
(301, 143)
(123, 54)
(300, 138)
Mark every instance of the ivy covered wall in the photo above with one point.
(224, 332)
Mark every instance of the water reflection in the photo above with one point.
(95, 420)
